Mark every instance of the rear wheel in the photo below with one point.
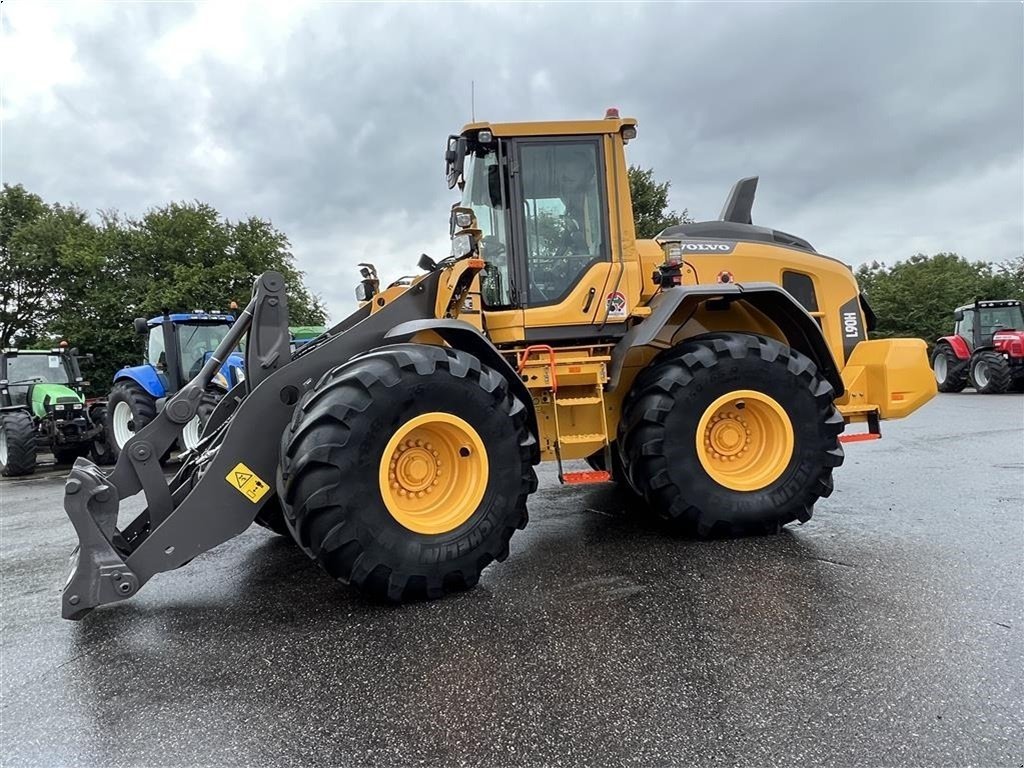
(17, 444)
(129, 409)
(731, 433)
(101, 451)
(192, 432)
(950, 371)
(405, 472)
(990, 373)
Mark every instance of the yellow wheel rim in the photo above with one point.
(745, 440)
(433, 473)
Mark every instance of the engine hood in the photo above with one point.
(52, 394)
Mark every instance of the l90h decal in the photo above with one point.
(852, 325)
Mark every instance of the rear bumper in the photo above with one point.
(888, 377)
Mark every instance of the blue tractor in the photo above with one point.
(177, 347)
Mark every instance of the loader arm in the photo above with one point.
(222, 485)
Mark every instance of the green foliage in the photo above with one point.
(917, 297)
(62, 275)
(650, 204)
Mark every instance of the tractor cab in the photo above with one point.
(40, 379)
(978, 323)
(177, 346)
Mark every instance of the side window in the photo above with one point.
(801, 288)
(155, 351)
(564, 215)
(967, 325)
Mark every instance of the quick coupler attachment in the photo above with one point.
(98, 571)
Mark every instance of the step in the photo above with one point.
(580, 439)
(582, 478)
(574, 401)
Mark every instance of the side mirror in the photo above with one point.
(141, 326)
(958, 315)
(426, 263)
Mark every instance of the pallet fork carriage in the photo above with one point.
(398, 448)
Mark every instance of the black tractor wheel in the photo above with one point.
(405, 471)
(731, 433)
(101, 451)
(950, 371)
(68, 454)
(17, 444)
(129, 409)
(990, 373)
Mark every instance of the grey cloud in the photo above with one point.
(870, 125)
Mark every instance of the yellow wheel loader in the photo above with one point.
(712, 370)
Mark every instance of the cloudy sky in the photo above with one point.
(878, 130)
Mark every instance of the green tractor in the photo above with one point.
(43, 407)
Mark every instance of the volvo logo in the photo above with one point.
(706, 247)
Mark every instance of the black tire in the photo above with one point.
(69, 454)
(662, 412)
(101, 451)
(950, 371)
(141, 403)
(18, 457)
(990, 373)
(331, 455)
(271, 517)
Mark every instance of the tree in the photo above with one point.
(917, 297)
(650, 203)
(180, 257)
(32, 237)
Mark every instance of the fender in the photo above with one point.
(801, 331)
(461, 335)
(143, 375)
(960, 348)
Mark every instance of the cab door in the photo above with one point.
(566, 270)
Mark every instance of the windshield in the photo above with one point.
(484, 193)
(26, 368)
(197, 342)
(1001, 319)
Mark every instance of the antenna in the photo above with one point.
(472, 100)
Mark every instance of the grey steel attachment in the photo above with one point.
(231, 475)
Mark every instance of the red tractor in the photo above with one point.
(986, 349)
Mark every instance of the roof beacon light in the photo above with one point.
(612, 113)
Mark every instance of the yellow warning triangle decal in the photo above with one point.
(241, 478)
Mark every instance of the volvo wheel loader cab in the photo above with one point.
(713, 369)
(985, 350)
(176, 347)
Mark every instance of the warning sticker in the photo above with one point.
(616, 305)
(245, 481)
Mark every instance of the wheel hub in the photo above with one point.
(745, 440)
(433, 473)
(415, 468)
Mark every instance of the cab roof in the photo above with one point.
(988, 304)
(552, 127)
(194, 317)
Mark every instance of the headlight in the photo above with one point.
(462, 245)
(463, 219)
(221, 380)
(239, 373)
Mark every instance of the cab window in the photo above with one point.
(564, 216)
(966, 328)
(801, 288)
(155, 353)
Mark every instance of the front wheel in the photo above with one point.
(731, 433)
(991, 373)
(129, 409)
(405, 471)
(192, 432)
(17, 444)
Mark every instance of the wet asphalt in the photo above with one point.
(889, 630)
